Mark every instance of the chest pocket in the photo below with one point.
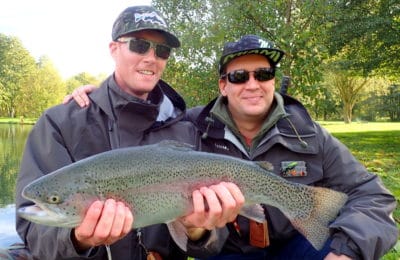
(295, 167)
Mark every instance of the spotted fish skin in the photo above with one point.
(157, 182)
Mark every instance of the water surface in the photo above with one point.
(12, 143)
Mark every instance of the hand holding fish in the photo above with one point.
(104, 223)
(224, 201)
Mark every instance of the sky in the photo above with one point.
(74, 34)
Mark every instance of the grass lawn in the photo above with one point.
(377, 146)
(20, 120)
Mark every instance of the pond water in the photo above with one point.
(12, 143)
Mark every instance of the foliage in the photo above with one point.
(81, 79)
(348, 89)
(28, 87)
(360, 38)
(370, 29)
(16, 72)
(316, 36)
(46, 89)
(390, 103)
(204, 26)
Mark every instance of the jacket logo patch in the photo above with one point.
(293, 169)
(222, 147)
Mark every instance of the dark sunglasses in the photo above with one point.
(242, 76)
(142, 46)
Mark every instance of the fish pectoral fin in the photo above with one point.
(265, 165)
(178, 233)
(254, 212)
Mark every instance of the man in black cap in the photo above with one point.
(132, 107)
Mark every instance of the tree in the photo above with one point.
(45, 89)
(370, 29)
(391, 103)
(16, 69)
(83, 78)
(204, 26)
(348, 89)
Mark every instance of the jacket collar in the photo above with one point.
(163, 107)
(221, 112)
(289, 119)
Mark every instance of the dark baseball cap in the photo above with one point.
(138, 18)
(250, 44)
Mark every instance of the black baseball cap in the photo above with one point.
(138, 18)
(250, 44)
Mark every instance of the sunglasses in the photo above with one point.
(142, 46)
(242, 76)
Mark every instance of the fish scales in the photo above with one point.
(157, 182)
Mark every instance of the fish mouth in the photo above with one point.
(37, 214)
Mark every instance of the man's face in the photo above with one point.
(137, 74)
(250, 100)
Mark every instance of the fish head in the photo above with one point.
(58, 202)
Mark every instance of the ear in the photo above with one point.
(222, 86)
(113, 46)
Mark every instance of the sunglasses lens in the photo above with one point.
(139, 46)
(238, 76)
(142, 46)
(264, 74)
(163, 51)
(242, 76)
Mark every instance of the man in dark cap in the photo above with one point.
(132, 107)
(250, 120)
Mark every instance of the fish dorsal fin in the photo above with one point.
(265, 165)
(176, 145)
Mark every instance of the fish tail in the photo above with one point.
(327, 204)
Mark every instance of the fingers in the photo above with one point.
(80, 95)
(215, 206)
(66, 99)
(230, 200)
(104, 223)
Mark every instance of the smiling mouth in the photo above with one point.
(252, 98)
(146, 72)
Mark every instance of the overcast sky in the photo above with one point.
(73, 33)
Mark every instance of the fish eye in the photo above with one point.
(53, 199)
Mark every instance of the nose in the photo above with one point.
(252, 82)
(150, 54)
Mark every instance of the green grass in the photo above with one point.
(377, 146)
(340, 127)
(19, 120)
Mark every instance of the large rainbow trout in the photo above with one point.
(157, 182)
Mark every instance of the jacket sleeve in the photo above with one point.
(44, 152)
(209, 245)
(365, 228)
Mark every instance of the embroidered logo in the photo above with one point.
(152, 17)
(293, 169)
(222, 147)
